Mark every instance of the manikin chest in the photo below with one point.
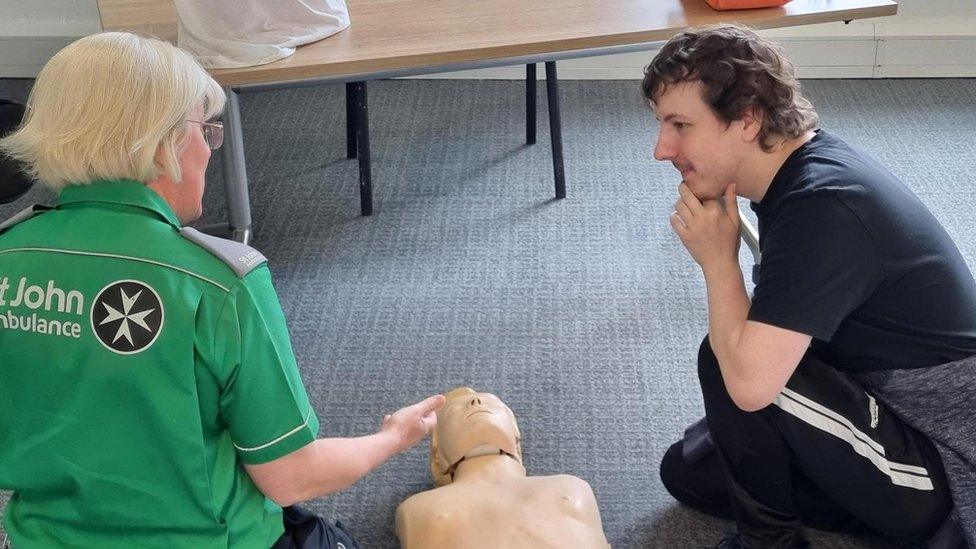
(529, 513)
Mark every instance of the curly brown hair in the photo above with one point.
(738, 70)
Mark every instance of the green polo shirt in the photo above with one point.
(138, 372)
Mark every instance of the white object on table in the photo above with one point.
(241, 33)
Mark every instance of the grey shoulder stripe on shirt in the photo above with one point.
(239, 257)
(23, 215)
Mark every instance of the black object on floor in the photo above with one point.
(13, 181)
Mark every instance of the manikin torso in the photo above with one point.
(491, 504)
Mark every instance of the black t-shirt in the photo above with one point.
(853, 258)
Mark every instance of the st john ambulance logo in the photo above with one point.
(127, 316)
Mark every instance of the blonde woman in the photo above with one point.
(149, 394)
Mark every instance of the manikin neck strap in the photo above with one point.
(479, 451)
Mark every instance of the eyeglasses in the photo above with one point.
(213, 133)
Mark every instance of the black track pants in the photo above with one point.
(825, 454)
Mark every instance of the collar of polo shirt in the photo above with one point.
(125, 192)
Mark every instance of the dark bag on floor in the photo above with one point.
(13, 181)
(306, 530)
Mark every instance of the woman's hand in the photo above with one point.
(412, 423)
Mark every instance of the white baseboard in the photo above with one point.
(882, 48)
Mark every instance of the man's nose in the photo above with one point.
(476, 401)
(663, 149)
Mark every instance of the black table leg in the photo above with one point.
(530, 104)
(555, 129)
(350, 120)
(362, 149)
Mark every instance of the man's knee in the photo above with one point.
(700, 485)
(672, 470)
(678, 479)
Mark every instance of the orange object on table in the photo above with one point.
(744, 4)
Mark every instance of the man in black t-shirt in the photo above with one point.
(841, 396)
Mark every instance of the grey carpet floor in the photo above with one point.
(583, 314)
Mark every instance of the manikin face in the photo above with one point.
(471, 420)
(704, 149)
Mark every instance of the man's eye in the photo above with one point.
(679, 125)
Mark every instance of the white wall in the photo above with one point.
(946, 9)
(31, 31)
(926, 38)
(48, 17)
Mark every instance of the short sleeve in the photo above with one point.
(262, 400)
(819, 263)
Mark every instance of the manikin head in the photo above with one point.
(471, 423)
(724, 96)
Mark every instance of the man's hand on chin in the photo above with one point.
(709, 230)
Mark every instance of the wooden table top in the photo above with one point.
(388, 35)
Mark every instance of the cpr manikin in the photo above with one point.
(483, 498)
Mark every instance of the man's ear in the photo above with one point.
(752, 120)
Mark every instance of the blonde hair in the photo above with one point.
(102, 107)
